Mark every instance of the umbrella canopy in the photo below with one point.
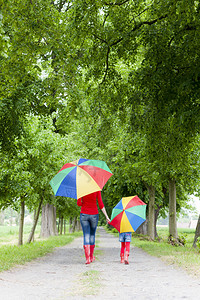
(128, 214)
(81, 177)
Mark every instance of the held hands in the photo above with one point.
(105, 214)
(108, 220)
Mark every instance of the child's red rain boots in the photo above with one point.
(92, 258)
(87, 254)
(122, 258)
(126, 258)
(122, 252)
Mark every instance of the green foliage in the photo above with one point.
(38, 63)
(116, 81)
(66, 207)
(40, 153)
(177, 242)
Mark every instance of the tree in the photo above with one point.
(162, 28)
(27, 175)
(125, 68)
(36, 217)
(38, 63)
(21, 222)
(197, 232)
(48, 226)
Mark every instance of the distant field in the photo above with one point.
(190, 225)
(9, 234)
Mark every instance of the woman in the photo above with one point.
(89, 217)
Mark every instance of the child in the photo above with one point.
(125, 239)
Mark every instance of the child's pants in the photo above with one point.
(125, 239)
(125, 245)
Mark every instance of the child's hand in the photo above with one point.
(108, 220)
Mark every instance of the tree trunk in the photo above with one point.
(155, 220)
(72, 222)
(48, 226)
(34, 223)
(61, 225)
(78, 225)
(34, 217)
(143, 229)
(197, 233)
(21, 223)
(172, 210)
(64, 226)
(151, 213)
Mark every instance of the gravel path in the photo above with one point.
(63, 275)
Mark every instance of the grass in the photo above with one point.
(12, 255)
(88, 283)
(182, 256)
(9, 234)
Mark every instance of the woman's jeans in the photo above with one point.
(89, 226)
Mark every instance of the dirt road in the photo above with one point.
(63, 275)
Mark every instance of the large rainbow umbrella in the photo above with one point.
(128, 214)
(81, 177)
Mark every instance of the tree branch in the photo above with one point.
(107, 65)
(105, 19)
(116, 3)
(99, 38)
(121, 39)
(138, 26)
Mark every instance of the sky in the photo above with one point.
(196, 202)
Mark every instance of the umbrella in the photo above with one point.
(81, 177)
(128, 214)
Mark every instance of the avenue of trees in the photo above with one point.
(116, 80)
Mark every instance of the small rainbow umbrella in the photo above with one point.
(81, 177)
(128, 214)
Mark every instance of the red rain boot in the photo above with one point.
(122, 258)
(122, 252)
(92, 257)
(126, 258)
(87, 254)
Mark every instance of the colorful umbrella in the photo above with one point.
(128, 214)
(81, 177)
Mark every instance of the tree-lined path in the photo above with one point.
(63, 275)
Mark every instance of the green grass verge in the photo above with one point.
(11, 256)
(182, 256)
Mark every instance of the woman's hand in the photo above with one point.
(105, 214)
(108, 220)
